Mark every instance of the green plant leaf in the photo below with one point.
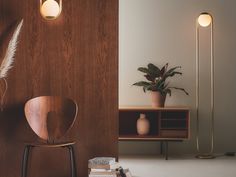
(141, 83)
(168, 91)
(160, 85)
(172, 69)
(149, 77)
(148, 87)
(166, 85)
(144, 70)
(144, 89)
(172, 74)
(164, 69)
(153, 67)
(157, 79)
(154, 70)
(177, 88)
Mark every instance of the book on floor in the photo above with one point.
(102, 161)
(113, 172)
(106, 167)
(108, 173)
(102, 175)
(100, 170)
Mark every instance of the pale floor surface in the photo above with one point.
(179, 166)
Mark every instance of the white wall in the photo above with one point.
(161, 31)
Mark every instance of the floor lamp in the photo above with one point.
(205, 20)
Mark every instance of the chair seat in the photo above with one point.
(51, 145)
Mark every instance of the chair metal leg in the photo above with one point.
(72, 161)
(25, 161)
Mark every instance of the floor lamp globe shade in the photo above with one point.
(50, 9)
(204, 19)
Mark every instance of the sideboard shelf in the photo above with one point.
(166, 124)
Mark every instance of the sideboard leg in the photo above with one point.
(166, 150)
(161, 147)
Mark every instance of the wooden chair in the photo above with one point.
(50, 117)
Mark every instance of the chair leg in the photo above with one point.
(72, 161)
(25, 161)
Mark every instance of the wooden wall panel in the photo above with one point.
(74, 56)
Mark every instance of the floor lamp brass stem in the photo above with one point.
(208, 155)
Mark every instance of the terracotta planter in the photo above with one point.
(158, 100)
(143, 125)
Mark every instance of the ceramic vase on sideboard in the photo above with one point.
(143, 125)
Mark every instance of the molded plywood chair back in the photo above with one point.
(50, 117)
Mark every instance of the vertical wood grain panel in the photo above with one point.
(74, 56)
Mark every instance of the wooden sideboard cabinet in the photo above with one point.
(166, 124)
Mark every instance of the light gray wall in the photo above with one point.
(161, 31)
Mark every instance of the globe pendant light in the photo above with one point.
(50, 9)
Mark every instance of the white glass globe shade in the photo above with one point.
(50, 9)
(204, 20)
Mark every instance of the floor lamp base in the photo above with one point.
(205, 156)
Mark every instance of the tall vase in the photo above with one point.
(158, 100)
(143, 125)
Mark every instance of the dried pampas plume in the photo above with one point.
(8, 60)
(10, 53)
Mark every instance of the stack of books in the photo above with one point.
(106, 167)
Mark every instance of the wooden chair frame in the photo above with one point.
(44, 128)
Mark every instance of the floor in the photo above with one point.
(179, 166)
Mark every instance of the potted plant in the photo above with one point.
(157, 82)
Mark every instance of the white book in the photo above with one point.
(100, 170)
(106, 167)
(103, 172)
(102, 175)
(102, 161)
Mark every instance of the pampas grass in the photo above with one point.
(10, 52)
(7, 62)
